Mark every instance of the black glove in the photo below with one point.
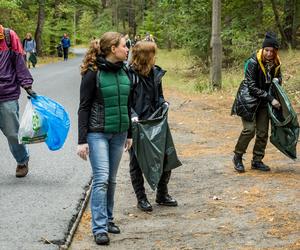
(30, 92)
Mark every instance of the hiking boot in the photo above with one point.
(113, 228)
(259, 165)
(238, 163)
(166, 200)
(144, 205)
(22, 170)
(101, 239)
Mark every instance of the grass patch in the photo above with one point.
(51, 59)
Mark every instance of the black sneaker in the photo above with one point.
(259, 165)
(101, 239)
(144, 205)
(238, 163)
(113, 228)
(166, 200)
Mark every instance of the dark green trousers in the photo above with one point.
(258, 127)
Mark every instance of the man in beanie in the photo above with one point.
(13, 75)
(251, 103)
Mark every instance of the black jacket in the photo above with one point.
(253, 90)
(91, 108)
(147, 95)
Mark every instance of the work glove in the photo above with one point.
(30, 92)
(134, 119)
(275, 104)
(166, 104)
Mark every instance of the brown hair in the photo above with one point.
(108, 40)
(100, 47)
(143, 54)
(90, 58)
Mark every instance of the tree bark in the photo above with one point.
(40, 26)
(104, 4)
(296, 24)
(216, 44)
(285, 42)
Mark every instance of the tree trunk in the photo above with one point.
(131, 18)
(288, 22)
(54, 38)
(296, 24)
(260, 13)
(104, 4)
(39, 27)
(216, 44)
(283, 36)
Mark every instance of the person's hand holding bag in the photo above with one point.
(30, 92)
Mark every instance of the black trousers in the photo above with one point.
(66, 53)
(137, 179)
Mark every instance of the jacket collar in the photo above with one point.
(103, 64)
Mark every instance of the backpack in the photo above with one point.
(7, 37)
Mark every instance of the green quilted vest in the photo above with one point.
(115, 89)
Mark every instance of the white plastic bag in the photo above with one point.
(33, 126)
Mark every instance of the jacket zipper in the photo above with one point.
(118, 85)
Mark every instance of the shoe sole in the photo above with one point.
(21, 176)
(113, 232)
(167, 204)
(103, 244)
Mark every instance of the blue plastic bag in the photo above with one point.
(57, 118)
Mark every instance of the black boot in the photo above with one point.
(238, 163)
(144, 205)
(166, 200)
(259, 165)
(102, 239)
(113, 228)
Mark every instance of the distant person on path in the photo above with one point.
(147, 97)
(104, 125)
(13, 75)
(29, 46)
(66, 44)
(251, 103)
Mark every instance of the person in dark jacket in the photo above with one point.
(251, 103)
(13, 75)
(104, 125)
(147, 97)
(66, 44)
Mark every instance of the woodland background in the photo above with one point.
(181, 25)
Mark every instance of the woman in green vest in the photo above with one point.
(104, 125)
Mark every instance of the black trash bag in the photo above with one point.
(59, 50)
(284, 122)
(153, 146)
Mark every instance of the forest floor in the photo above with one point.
(218, 208)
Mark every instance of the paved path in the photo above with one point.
(41, 206)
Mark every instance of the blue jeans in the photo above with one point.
(9, 125)
(105, 152)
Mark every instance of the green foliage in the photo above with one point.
(173, 23)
